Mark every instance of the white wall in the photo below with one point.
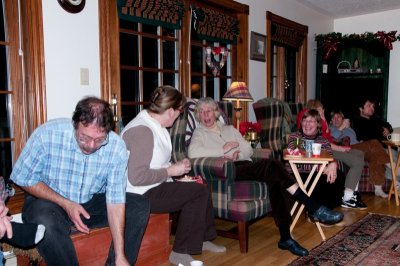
(316, 22)
(71, 42)
(382, 21)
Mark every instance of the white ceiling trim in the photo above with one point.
(349, 8)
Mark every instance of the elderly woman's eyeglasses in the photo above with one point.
(207, 111)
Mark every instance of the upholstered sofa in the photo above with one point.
(277, 119)
(240, 202)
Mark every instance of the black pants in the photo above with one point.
(329, 195)
(273, 173)
(57, 247)
(196, 218)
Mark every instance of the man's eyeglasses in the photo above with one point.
(84, 140)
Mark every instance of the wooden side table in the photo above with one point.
(394, 167)
(318, 166)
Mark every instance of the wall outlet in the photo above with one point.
(84, 76)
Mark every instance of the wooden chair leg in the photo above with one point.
(243, 234)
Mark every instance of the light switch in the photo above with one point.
(84, 76)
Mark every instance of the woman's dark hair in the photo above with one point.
(91, 110)
(166, 97)
(314, 114)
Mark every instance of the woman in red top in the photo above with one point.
(353, 158)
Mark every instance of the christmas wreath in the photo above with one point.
(212, 62)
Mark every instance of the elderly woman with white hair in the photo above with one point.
(150, 173)
(214, 139)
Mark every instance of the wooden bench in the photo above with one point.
(92, 249)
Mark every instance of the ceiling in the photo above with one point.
(349, 8)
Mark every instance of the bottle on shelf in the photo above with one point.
(356, 63)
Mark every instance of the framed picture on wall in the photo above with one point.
(257, 46)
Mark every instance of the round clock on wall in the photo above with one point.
(72, 6)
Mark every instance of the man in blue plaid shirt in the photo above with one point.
(74, 173)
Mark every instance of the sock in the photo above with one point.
(40, 233)
(180, 258)
(379, 192)
(284, 231)
(378, 189)
(348, 194)
(210, 246)
(25, 235)
(310, 205)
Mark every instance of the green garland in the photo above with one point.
(331, 41)
(366, 37)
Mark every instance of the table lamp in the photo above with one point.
(238, 92)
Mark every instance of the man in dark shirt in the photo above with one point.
(368, 126)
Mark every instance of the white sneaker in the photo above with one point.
(379, 192)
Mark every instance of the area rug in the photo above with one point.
(373, 240)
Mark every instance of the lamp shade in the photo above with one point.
(238, 92)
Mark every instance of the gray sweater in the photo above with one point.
(207, 143)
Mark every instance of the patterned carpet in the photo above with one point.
(373, 240)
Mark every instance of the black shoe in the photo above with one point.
(327, 216)
(293, 247)
(353, 203)
(359, 200)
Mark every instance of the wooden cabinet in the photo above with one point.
(356, 69)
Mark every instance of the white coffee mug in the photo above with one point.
(316, 149)
(394, 137)
(196, 263)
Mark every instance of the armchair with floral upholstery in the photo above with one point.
(237, 201)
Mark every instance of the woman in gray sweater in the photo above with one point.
(213, 139)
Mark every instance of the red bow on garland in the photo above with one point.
(330, 45)
(386, 38)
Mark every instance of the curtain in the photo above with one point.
(215, 26)
(165, 13)
(300, 76)
(280, 73)
(287, 36)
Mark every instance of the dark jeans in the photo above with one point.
(327, 194)
(57, 248)
(278, 179)
(196, 218)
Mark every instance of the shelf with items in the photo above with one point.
(359, 76)
(355, 68)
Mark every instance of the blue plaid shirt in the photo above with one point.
(52, 156)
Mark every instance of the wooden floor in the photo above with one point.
(264, 237)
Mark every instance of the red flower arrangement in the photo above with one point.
(245, 127)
